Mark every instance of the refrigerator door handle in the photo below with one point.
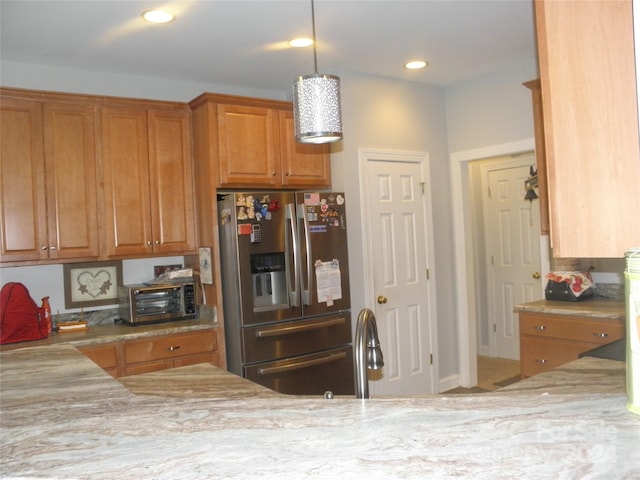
(306, 292)
(292, 244)
(302, 364)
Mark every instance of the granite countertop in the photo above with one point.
(106, 333)
(597, 308)
(63, 417)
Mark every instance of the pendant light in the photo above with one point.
(317, 114)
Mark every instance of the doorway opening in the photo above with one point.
(506, 232)
(465, 270)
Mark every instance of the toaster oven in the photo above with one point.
(156, 303)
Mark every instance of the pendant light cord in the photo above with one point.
(313, 27)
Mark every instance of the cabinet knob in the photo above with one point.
(149, 242)
(600, 334)
(273, 174)
(44, 247)
(539, 327)
(171, 349)
(541, 361)
(286, 174)
(53, 247)
(157, 242)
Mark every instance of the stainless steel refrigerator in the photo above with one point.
(285, 283)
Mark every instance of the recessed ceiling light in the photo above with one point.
(301, 42)
(415, 65)
(158, 16)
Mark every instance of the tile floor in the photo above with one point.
(491, 371)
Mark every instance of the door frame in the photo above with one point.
(369, 154)
(464, 243)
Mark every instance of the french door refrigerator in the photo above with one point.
(285, 284)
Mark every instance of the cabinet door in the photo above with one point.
(587, 74)
(23, 222)
(71, 182)
(302, 165)
(126, 181)
(247, 139)
(171, 172)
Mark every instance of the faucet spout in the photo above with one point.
(368, 355)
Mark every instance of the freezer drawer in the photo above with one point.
(311, 374)
(288, 339)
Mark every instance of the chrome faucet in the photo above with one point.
(368, 355)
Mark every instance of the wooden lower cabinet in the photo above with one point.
(106, 356)
(548, 341)
(132, 357)
(168, 351)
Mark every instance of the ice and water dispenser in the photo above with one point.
(269, 279)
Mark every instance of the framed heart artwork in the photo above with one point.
(91, 284)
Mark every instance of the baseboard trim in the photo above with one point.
(447, 383)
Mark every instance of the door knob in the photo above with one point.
(536, 275)
(382, 299)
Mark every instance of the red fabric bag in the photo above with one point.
(21, 319)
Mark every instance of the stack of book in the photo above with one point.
(72, 326)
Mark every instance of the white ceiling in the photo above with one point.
(243, 43)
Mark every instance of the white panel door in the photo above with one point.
(399, 242)
(512, 236)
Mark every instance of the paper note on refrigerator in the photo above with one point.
(328, 281)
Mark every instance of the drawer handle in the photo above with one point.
(539, 327)
(600, 334)
(171, 349)
(541, 361)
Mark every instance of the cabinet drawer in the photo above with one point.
(169, 347)
(210, 357)
(148, 367)
(569, 327)
(539, 355)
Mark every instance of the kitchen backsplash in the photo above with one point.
(612, 291)
(110, 316)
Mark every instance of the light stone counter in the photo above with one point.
(63, 418)
(597, 308)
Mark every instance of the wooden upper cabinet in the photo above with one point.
(588, 82)
(48, 181)
(71, 180)
(125, 156)
(251, 144)
(302, 164)
(24, 222)
(148, 192)
(541, 157)
(171, 181)
(247, 139)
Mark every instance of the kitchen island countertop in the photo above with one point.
(63, 417)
